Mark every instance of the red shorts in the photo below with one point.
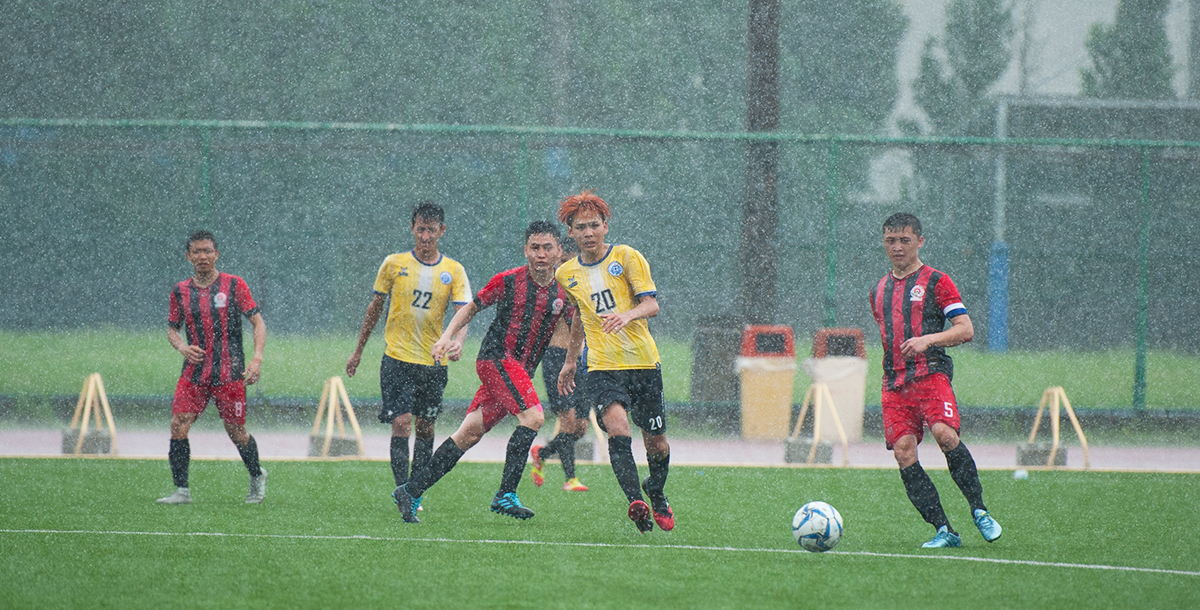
(230, 398)
(922, 402)
(505, 388)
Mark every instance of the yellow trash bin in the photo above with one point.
(767, 368)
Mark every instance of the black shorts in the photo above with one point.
(639, 390)
(552, 363)
(410, 388)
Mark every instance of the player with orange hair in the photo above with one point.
(611, 286)
(583, 202)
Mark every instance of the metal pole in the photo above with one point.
(205, 190)
(998, 266)
(1139, 367)
(833, 196)
(523, 182)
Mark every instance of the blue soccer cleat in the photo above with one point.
(943, 539)
(509, 504)
(987, 525)
(406, 503)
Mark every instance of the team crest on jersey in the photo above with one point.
(917, 293)
(220, 300)
(557, 307)
(403, 272)
(615, 269)
(445, 277)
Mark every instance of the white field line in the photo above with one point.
(684, 547)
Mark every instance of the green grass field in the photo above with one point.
(143, 364)
(87, 533)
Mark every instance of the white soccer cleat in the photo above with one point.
(182, 495)
(258, 488)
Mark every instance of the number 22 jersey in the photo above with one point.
(420, 295)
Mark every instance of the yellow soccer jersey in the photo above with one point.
(612, 284)
(420, 295)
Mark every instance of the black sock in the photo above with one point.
(422, 453)
(966, 476)
(179, 455)
(659, 465)
(515, 458)
(443, 461)
(566, 453)
(552, 448)
(249, 453)
(620, 453)
(400, 459)
(924, 496)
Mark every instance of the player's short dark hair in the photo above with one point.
(429, 211)
(199, 236)
(896, 222)
(543, 226)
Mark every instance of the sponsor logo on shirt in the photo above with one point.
(916, 294)
(572, 282)
(403, 272)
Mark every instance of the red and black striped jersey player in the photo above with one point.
(529, 306)
(912, 304)
(209, 308)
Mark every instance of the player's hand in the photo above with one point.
(455, 351)
(614, 322)
(193, 353)
(352, 363)
(915, 345)
(566, 379)
(442, 348)
(253, 370)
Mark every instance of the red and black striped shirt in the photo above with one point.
(212, 319)
(915, 305)
(525, 317)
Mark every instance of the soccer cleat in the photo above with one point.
(509, 504)
(418, 503)
(538, 476)
(942, 539)
(573, 484)
(987, 525)
(639, 512)
(663, 515)
(406, 504)
(182, 495)
(258, 487)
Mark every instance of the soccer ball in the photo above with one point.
(817, 526)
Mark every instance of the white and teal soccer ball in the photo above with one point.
(817, 526)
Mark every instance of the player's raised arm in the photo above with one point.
(450, 344)
(647, 307)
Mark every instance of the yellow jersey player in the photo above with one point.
(610, 284)
(421, 283)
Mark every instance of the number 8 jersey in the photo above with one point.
(613, 284)
(420, 295)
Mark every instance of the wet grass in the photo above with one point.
(141, 363)
(77, 533)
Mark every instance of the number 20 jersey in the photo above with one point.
(420, 295)
(612, 285)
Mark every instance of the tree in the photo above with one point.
(1131, 58)
(957, 70)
